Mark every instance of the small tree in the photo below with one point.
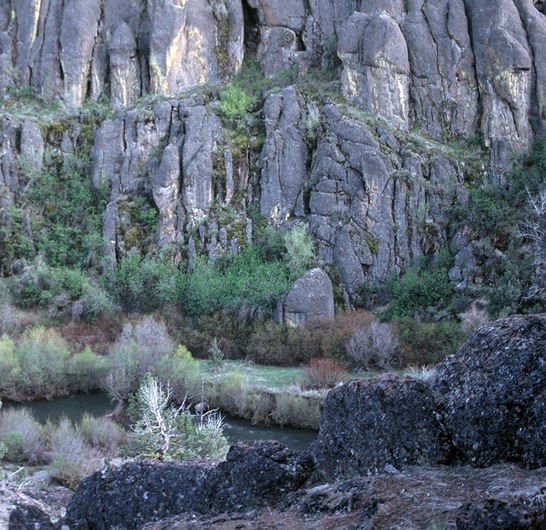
(173, 432)
(216, 355)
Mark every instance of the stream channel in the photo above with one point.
(236, 430)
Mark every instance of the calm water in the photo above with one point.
(237, 430)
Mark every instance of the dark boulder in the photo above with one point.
(492, 393)
(494, 514)
(146, 490)
(257, 475)
(29, 517)
(137, 493)
(370, 425)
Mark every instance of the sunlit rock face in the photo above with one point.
(88, 49)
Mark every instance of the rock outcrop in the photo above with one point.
(310, 299)
(486, 406)
(143, 491)
(376, 425)
(376, 197)
(492, 396)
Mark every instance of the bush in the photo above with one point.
(9, 367)
(216, 355)
(43, 359)
(71, 458)
(13, 444)
(298, 410)
(300, 251)
(323, 373)
(229, 393)
(139, 350)
(102, 433)
(375, 345)
(148, 283)
(425, 343)
(181, 373)
(24, 434)
(423, 291)
(473, 318)
(168, 431)
(86, 371)
(236, 282)
(236, 103)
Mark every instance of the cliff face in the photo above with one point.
(376, 196)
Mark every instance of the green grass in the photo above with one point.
(271, 377)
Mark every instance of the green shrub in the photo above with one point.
(423, 291)
(103, 434)
(86, 371)
(139, 350)
(171, 432)
(243, 280)
(9, 367)
(236, 103)
(298, 410)
(425, 343)
(147, 283)
(300, 251)
(216, 355)
(181, 373)
(24, 434)
(228, 393)
(71, 458)
(43, 361)
(13, 443)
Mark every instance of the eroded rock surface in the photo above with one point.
(492, 392)
(380, 424)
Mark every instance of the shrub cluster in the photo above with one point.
(39, 365)
(71, 451)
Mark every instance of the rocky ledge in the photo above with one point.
(476, 432)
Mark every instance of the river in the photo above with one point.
(236, 430)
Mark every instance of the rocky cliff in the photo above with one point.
(413, 101)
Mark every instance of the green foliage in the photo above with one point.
(66, 212)
(239, 280)
(425, 343)
(145, 283)
(424, 290)
(236, 103)
(495, 216)
(15, 242)
(167, 431)
(181, 373)
(86, 371)
(300, 251)
(216, 355)
(13, 443)
(42, 357)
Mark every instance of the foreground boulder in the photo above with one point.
(493, 392)
(144, 491)
(372, 425)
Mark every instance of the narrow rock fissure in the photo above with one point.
(252, 30)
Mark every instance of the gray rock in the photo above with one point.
(311, 298)
(376, 66)
(492, 392)
(284, 156)
(370, 424)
